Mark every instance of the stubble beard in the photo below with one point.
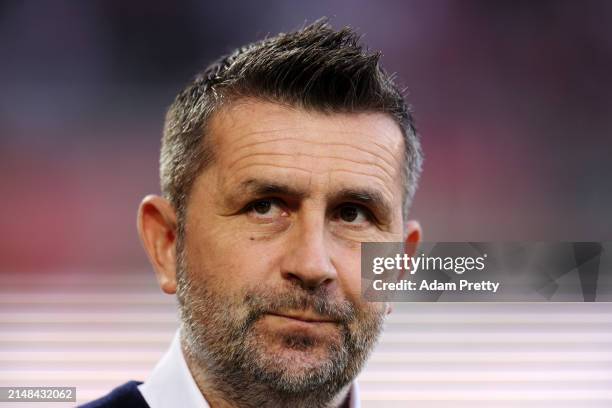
(220, 335)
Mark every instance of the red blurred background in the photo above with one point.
(511, 98)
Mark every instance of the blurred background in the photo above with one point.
(512, 100)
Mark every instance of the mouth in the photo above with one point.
(305, 317)
(311, 329)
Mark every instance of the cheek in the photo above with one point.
(232, 261)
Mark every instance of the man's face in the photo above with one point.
(269, 265)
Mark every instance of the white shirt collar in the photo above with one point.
(171, 384)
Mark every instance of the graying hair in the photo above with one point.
(315, 68)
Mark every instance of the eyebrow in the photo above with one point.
(366, 196)
(261, 187)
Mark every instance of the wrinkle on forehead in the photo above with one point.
(251, 117)
(260, 136)
(272, 138)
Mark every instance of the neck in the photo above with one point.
(232, 390)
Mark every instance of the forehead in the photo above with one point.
(252, 137)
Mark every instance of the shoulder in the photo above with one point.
(126, 395)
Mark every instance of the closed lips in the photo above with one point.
(305, 317)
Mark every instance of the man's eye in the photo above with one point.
(266, 208)
(353, 214)
(262, 207)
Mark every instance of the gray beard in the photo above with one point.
(229, 356)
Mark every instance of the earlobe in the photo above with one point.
(157, 230)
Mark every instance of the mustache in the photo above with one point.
(261, 302)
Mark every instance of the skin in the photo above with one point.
(286, 203)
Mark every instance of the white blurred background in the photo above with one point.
(97, 332)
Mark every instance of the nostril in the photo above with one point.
(293, 278)
(307, 282)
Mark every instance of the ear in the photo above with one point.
(411, 245)
(413, 237)
(157, 229)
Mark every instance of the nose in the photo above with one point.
(307, 260)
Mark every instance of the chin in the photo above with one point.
(296, 357)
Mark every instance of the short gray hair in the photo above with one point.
(315, 68)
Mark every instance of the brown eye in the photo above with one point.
(266, 209)
(262, 207)
(349, 213)
(353, 215)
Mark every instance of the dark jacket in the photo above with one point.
(124, 396)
